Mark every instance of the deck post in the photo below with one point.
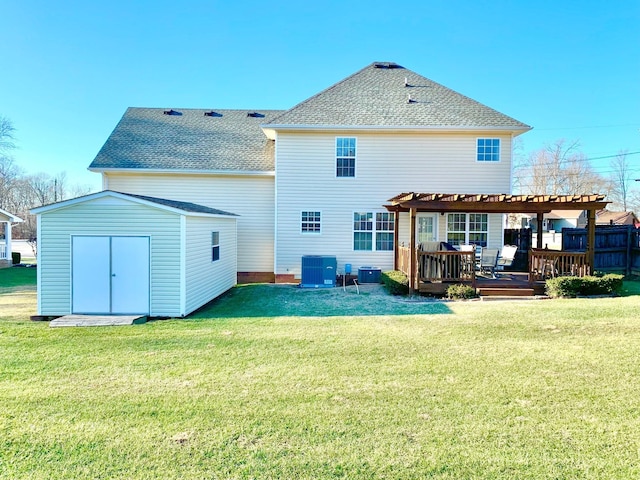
(396, 230)
(591, 240)
(540, 219)
(412, 248)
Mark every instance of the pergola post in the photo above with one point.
(591, 240)
(412, 248)
(540, 221)
(396, 231)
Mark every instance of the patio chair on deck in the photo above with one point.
(506, 257)
(488, 261)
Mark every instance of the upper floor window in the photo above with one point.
(310, 222)
(345, 157)
(488, 150)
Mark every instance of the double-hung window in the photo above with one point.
(215, 246)
(345, 157)
(488, 150)
(310, 221)
(463, 228)
(373, 231)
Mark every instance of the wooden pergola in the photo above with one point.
(413, 203)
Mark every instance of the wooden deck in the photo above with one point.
(97, 320)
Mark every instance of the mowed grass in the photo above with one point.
(245, 389)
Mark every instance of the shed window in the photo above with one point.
(215, 246)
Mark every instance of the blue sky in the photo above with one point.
(71, 68)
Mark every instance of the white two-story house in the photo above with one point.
(314, 179)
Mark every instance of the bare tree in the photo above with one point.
(558, 169)
(621, 181)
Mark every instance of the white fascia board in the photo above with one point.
(170, 171)
(10, 217)
(391, 128)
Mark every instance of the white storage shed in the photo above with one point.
(111, 253)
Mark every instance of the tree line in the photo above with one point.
(21, 191)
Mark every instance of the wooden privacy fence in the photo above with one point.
(617, 248)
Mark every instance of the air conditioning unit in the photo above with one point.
(318, 271)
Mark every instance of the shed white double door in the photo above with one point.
(110, 275)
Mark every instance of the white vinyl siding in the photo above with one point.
(388, 164)
(206, 279)
(114, 217)
(250, 197)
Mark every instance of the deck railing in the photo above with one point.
(446, 266)
(544, 264)
(404, 254)
(3, 251)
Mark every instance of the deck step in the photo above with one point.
(506, 292)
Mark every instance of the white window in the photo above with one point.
(365, 230)
(385, 222)
(215, 246)
(310, 222)
(345, 157)
(488, 150)
(463, 228)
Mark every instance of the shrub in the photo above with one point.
(395, 282)
(16, 257)
(460, 291)
(590, 285)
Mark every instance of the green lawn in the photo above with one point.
(263, 384)
(10, 278)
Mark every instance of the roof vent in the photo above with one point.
(386, 65)
(172, 112)
(406, 82)
(411, 100)
(255, 115)
(211, 113)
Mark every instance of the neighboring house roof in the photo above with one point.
(197, 140)
(162, 203)
(378, 96)
(605, 217)
(564, 214)
(9, 217)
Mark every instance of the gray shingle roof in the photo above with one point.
(147, 138)
(378, 97)
(184, 206)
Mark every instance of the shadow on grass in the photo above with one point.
(268, 300)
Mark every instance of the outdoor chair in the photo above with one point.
(488, 261)
(506, 257)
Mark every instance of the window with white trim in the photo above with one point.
(365, 230)
(215, 246)
(469, 228)
(345, 157)
(385, 222)
(488, 150)
(310, 222)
